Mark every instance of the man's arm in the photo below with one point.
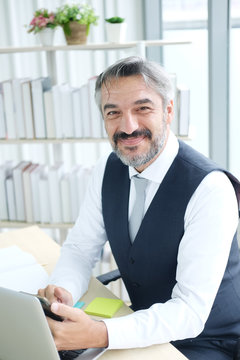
(84, 243)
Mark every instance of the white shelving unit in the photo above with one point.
(62, 141)
(139, 47)
(50, 51)
(94, 46)
(20, 224)
(53, 141)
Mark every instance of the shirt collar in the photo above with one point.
(157, 170)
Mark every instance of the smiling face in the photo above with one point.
(135, 120)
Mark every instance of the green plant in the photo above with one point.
(42, 19)
(82, 13)
(115, 20)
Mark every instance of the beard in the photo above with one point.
(156, 145)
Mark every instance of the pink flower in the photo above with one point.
(42, 18)
(42, 21)
(51, 18)
(33, 22)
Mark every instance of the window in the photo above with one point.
(234, 108)
(187, 19)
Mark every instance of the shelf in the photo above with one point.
(93, 46)
(62, 141)
(52, 141)
(20, 224)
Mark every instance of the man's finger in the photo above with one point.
(63, 296)
(66, 311)
(41, 292)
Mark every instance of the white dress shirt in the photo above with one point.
(210, 222)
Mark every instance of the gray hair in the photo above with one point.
(154, 75)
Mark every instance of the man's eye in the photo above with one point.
(112, 114)
(143, 108)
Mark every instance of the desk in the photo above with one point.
(46, 251)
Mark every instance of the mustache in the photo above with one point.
(122, 135)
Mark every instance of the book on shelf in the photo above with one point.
(49, 114)
(2, 118)
(65, 198)
(27, 191)
(44, 195)
(28, 109)
(175, 122)
(67, 111)
(85, 111)
(183, 110)
(54, 176)
(75, 183)
(77, 114)
(19, 190)
(34, 178)
(4, 172)
(57, 109)
(8, 101)
(10, 194)
(105, 135)
(19, 109)
(39, 86)
(95, 116)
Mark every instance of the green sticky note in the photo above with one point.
(103, 307)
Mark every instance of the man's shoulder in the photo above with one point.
(194, 158)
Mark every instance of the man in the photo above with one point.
(181, 268)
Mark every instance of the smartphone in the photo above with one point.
(47, 308)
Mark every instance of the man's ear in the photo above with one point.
(169, 112)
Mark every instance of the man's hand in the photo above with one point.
(78, 330)
(56, 294)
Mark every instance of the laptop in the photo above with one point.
(24, 330)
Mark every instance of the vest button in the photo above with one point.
(132, 261)
(136, 285)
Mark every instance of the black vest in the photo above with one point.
(148, 266)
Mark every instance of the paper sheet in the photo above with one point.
(20, 271)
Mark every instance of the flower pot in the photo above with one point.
(46, 36)
(78, 34)
(116, 33)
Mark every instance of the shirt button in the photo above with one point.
(132, 261)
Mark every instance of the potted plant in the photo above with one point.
(116, 29)
(43, 24)
(75, 20)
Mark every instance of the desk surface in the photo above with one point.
(46, 251)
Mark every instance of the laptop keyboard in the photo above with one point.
(70, 354)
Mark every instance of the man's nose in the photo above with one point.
(129, 123)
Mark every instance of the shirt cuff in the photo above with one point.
(122, 333)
